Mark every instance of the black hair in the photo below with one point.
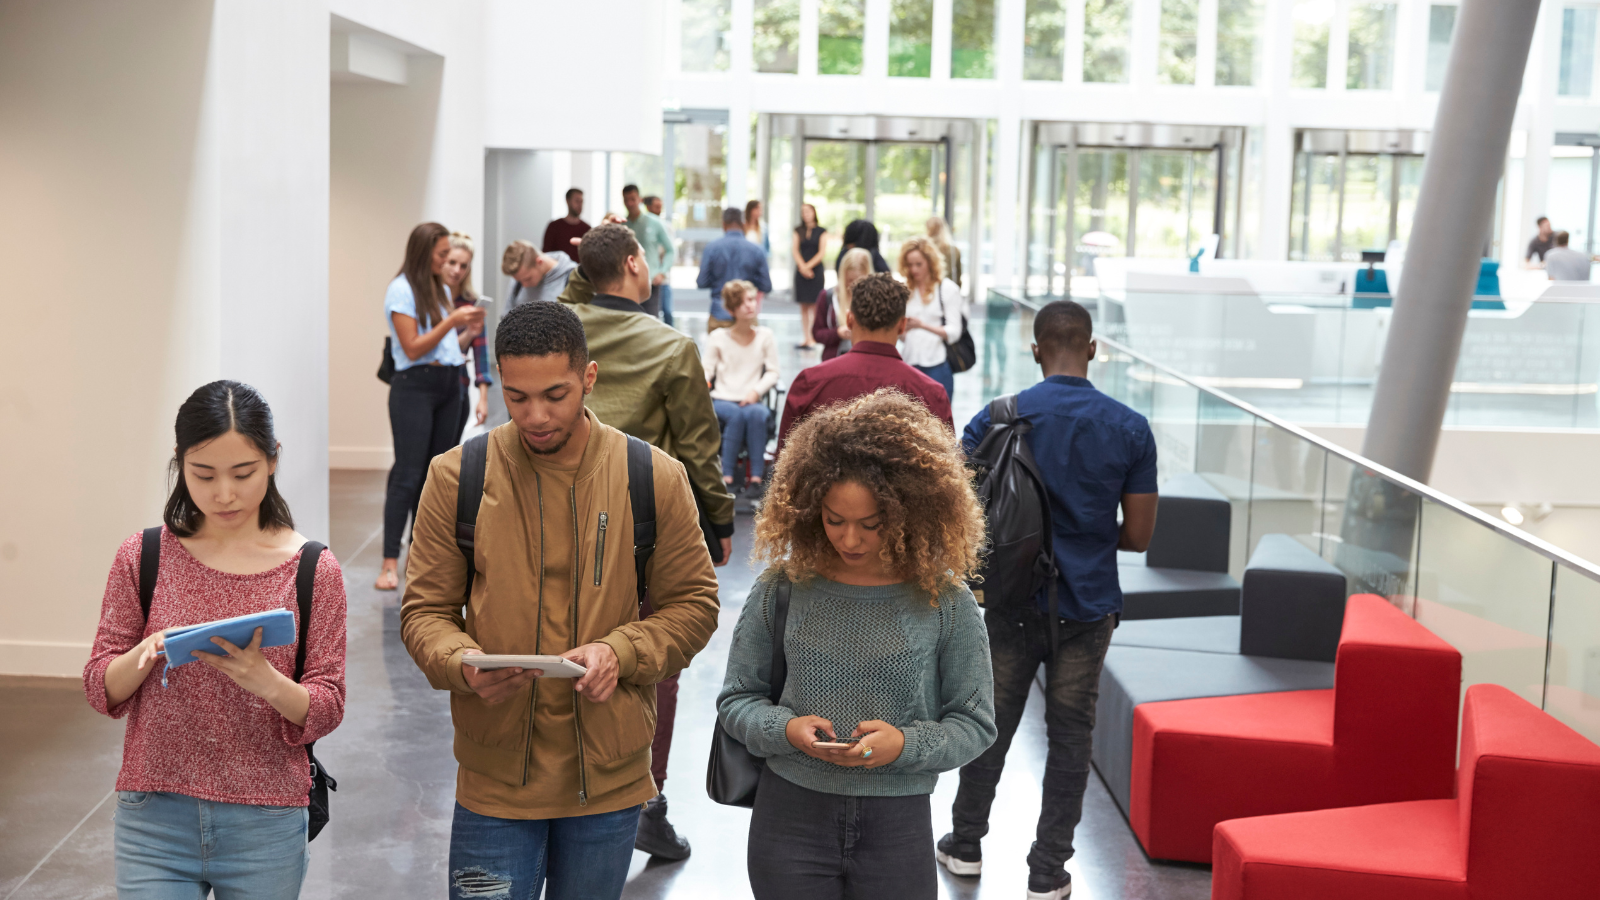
(211, 412)
(629, 188)
(1541, 219)
(1561, 238)
(571, 191)
(649, 199)
(542, 328)
(1063, 325)
(731, 216)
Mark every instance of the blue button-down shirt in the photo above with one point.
(1090, 450)
(730, 258)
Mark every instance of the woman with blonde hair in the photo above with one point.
(869, 531)
(939, 233)
(831, 329)
(934, 314)
(458, 278)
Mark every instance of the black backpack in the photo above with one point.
(641, 497)
(1019, 558)
(304, 584)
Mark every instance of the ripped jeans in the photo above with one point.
(578, 857)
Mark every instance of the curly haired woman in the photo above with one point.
(872, 523)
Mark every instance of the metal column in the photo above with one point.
(1465, 157)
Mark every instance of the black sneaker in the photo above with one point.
(1049, 885)
(960, 857)
(656, 835)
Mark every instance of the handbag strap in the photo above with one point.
(305, 579)
(780, 621)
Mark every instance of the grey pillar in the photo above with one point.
(1466, 155)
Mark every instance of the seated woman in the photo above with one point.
(742, 365)
(871, 526)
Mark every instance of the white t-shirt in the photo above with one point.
(943, 308)
(738, 369)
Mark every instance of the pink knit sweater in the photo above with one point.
(203, 735)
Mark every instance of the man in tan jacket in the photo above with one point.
(553, 772)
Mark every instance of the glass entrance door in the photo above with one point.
(1346, 202)
(898, 185)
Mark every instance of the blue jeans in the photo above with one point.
(174, 847)
(942, 374)
(577, 858)
(743, 428)
(666, 303)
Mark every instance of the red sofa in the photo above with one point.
(1525, 824)
(1386, 732)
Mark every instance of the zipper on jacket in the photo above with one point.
(577, 712)
(538, 631)
(600, 551)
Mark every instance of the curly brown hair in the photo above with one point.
(890, 444)
(879, 301)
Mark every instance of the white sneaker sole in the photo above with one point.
(960, 866)
(1061, 893)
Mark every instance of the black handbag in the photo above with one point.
(386, 368)
(963, 354)
(733, 772)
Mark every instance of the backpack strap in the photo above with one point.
(780, 622)
(469, 496)
(642, 498)
(1003, 410)
(305, 583)
(149, 567)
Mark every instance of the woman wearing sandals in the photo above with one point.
(871, 526)
(212, 795)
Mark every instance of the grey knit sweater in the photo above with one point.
(860, 653)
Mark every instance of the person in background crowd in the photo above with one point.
(1094, 454)
(458, 278)
(425, 394)
(939, 233)
(876, 320)
(222, 743)
(552, 771)
(536, 275)
(1562, 263)
(651, 386)
(753, 229)
(653, 204)
(872, 522)
(652, 235)
(933, 315)
(560, 233)
(830, 329)
(1540, 245)
(808, 248)
(731, 258)
(742, 365)
(862, 233)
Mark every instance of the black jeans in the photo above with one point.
(807, 845)
(424, 412)
(1018, 643)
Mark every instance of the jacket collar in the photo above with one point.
(1071, 380)
(616, 304)
(601, 439)
(875, 348)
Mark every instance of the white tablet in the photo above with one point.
(552, 666)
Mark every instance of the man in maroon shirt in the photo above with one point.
(559, 234)
(877, 319)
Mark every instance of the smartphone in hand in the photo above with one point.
(829, 742)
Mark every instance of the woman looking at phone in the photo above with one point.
(223, 741)
(870, 515)
(458, 278)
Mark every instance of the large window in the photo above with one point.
(1106, 24)
(1370, 65)
(704, 26)
(1577, 51)
(841, 29)
(1441, 26)
(1312, 19)
(1238, 42)
(911, 38)
(775, 46)
(1180, 40)
(972, 39)
(1044, 40)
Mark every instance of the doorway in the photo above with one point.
(1353, 191)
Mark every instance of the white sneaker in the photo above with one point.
(1041, 888)
(947, 849)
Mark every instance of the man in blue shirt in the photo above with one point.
(1094, 455)
(732, 257)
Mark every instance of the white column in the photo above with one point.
(739, 189)
(875, 40)
(1338, 45)
(1205, 57)
(808, 37)
(1146, 28)
(1073, 71)
(1538, 106)
(941, 38)
(1277, 153)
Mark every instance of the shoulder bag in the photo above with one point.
(733, 772)
(962, 354)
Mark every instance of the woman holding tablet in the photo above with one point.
(221, 744)
(871, 519)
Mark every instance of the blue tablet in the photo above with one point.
(277, 629)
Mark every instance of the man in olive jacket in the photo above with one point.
(553, 772)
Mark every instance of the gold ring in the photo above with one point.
(867, 753)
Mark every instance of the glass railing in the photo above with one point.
(1524, 613)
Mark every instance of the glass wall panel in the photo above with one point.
(1406, 201)
(972, 39)
(775, 45)
(841, 30)
(1488, 596)
(1441, 27)
(1370, 64)
(1287, 476)
(1180, 37)
(1177, 202)
(911, 38)
(1106, 30)
(1572, 693)
(835, 180)
(1100, 209)
(1568, 204)
(704, 27)
(1314, 216)
(903, 198)
(1368, 184)
(1174, 418)
(700, 183)
(1577, 51)
(1238, 42)
(1224, 451)
(1044, 40)
(1312, 21)
(1369, 531)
